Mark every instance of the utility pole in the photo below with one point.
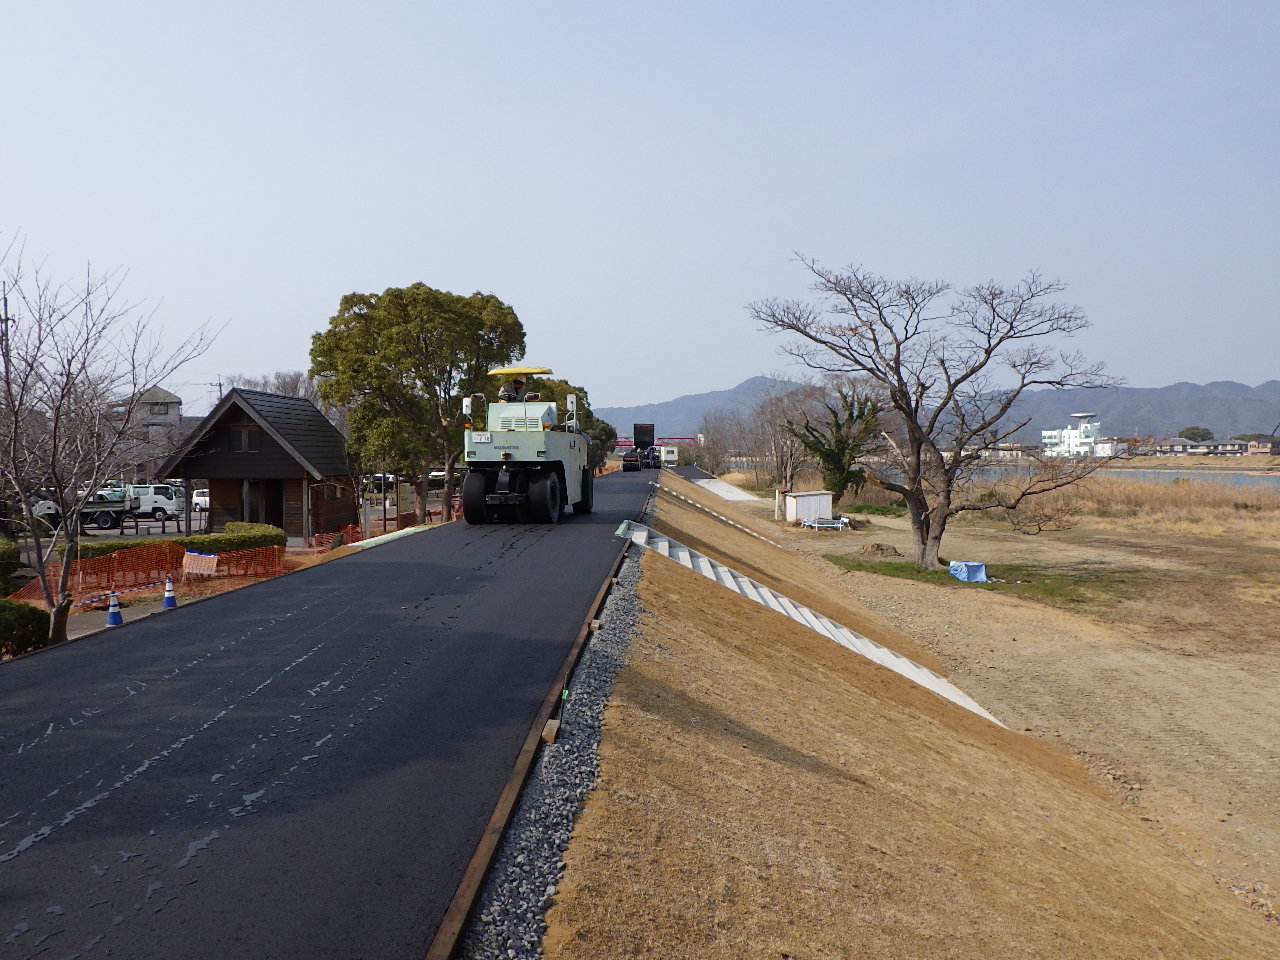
(5, 320)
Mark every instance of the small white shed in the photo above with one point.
(807, 505)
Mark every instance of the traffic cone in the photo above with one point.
(170, 601)
(114, 619)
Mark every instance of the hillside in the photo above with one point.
(765, 793)
(680, 417)
(1225, 407)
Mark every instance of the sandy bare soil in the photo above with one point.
(766, 793)
(1171, 695)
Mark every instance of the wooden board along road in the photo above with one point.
(298, 769)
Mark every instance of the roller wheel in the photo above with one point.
(474, 509)
(584, 505)
(545, 498)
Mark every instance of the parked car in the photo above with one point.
(160, 501)
(631, 460)
(200, 500)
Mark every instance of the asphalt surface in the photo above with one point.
(301, 768)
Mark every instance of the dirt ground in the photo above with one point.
(766, 793)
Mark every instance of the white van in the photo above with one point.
(158, 500)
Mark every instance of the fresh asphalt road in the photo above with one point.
(302, 768)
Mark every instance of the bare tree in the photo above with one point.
(296, 383)
(288, 383)
(721, 441)
(778, 454)
(76, 362)
(950, 375)
(754, 435)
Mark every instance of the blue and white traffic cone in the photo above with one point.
(170, 601)
(114, 619)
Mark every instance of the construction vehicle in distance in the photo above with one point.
(525, 466)
(642, 436)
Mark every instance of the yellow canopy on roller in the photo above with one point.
(517, 371)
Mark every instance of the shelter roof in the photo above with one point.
(293, 422)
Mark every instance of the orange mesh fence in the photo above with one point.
(352, 533)
(258, 563)
(147, 566)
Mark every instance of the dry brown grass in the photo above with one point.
(1198, 507)
(1111, 501)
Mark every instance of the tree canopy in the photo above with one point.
(601, 434)
(947, 374)
(1196, 434)
(841, 436)
(400, 360)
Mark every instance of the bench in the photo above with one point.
(825, 524)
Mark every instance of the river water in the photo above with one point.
(1238, 478)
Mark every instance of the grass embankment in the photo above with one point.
(1099, 507)
(1023, 580)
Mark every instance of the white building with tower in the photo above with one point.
(1080, 440)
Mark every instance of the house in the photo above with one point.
(1180, 446)
(1008, 450)
(1173, 447)
(156, 426)
(1265, 448)
(273, 459)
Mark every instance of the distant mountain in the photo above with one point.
(1225, 407)
(680, 417)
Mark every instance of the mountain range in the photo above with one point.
(1223, 406)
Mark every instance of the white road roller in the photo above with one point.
(526, 464)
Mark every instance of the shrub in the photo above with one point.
(23, 628)
(10, 560)
(239, 536)
(262, 534)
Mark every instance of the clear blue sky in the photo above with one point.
(629, 176)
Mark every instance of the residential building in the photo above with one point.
(1074, 441)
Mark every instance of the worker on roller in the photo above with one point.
(512, 392)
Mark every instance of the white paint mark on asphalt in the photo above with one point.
(194, 847)
(31, 839)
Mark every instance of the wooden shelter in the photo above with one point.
(270, 458)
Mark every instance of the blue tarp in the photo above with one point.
(968, 571)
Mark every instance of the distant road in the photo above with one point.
(299, 769)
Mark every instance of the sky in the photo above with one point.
(630, 177)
